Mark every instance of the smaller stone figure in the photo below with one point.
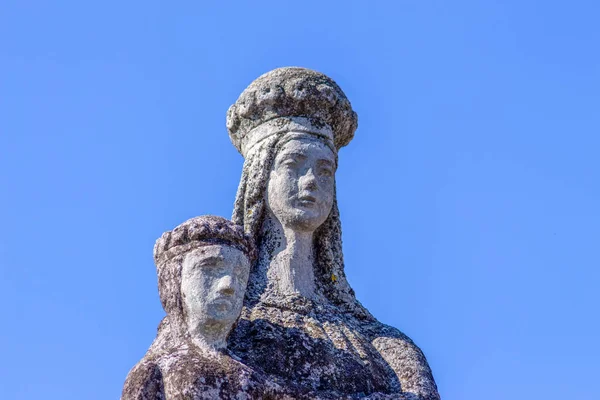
(203, 267)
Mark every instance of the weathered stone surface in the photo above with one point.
(177, 368)
(292, 92)
(203, 268)
(320, 338)
(301, 333)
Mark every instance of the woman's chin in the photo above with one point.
(305, 219)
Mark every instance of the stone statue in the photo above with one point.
(203, 268)
(301, 333)
(301, 323)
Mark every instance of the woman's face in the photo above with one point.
(301, 184)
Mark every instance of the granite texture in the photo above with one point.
(325, 342)
(292, 92)
(301, 333)
(175, 368)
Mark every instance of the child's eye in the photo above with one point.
(326, 172)
(211, 262)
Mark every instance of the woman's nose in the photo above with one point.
(308, 180)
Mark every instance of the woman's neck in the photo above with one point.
(291, 259)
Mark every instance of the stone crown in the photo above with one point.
(292, 92)
(203, 230)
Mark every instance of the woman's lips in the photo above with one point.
(307, 200)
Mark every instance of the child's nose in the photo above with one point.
(226, 286)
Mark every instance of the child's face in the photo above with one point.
(213, 284)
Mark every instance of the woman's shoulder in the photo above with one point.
(405, 358)
(375, 329)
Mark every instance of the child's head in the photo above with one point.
(203, 267)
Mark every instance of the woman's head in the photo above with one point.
(289, 124)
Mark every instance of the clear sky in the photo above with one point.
(469, 197)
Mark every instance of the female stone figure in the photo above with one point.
(301, 323)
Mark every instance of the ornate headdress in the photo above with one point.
(202, 231)
(291, 99)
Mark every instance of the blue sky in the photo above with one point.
(469, 196)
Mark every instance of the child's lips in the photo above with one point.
(223, 303)
(223, 299)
